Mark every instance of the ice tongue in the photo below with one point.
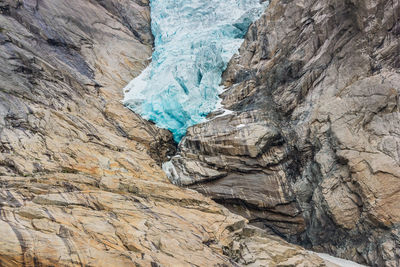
(194, 40)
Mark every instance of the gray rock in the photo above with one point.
(315, 91)
(80, 181)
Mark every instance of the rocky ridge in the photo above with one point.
(80, 182)
(311, 150)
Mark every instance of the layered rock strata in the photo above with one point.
(311, 150)
(80, 182)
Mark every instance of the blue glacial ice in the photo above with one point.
(194, 41)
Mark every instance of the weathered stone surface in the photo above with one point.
(74, 219)
(63, 66)
(311, 150)
(79, 179)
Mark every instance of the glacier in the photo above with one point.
(194, 41)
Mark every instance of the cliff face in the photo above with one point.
(311, 151)
(63, 65)
(80, 183)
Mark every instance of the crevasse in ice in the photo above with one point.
(194, 40)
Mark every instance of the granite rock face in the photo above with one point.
(311, 151)
(63, 64)
(63, 219)
(80, 181)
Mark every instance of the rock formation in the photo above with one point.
(80, 178)
(311, 150)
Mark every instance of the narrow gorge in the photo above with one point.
(261, 131)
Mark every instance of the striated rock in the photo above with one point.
(79, 179)
(311, 150)
(63, 67)
(81, 220)
(239, 166)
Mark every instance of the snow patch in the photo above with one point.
(338, 261)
